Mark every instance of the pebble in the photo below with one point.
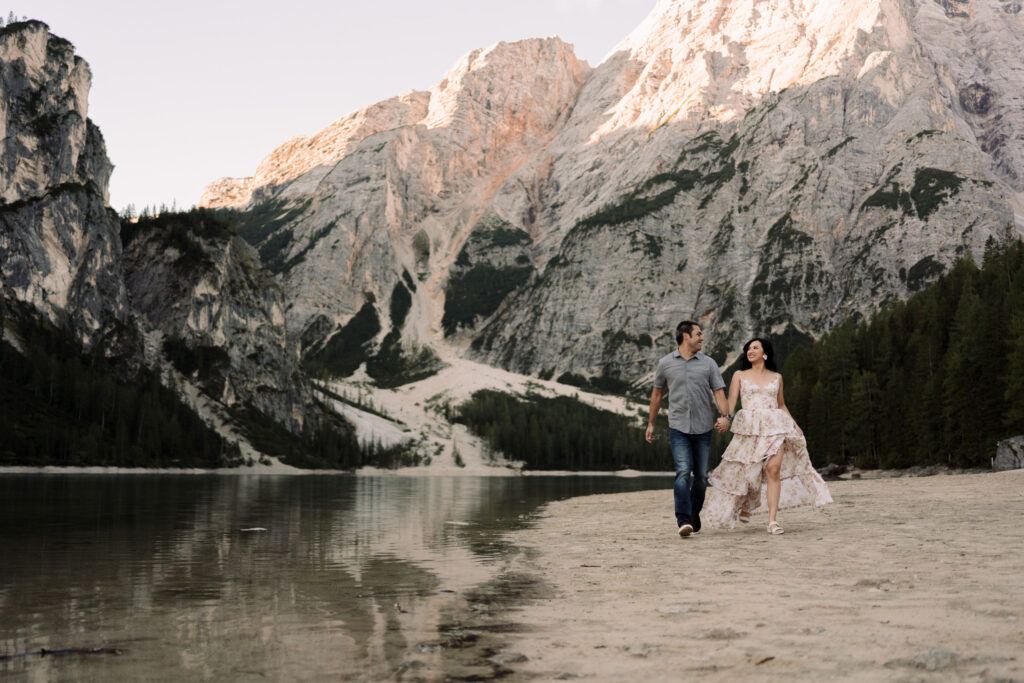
(929, 660)
(675, 609)
(643, 650)
(935, 660)
(413, 664)
(721, 634)
(504, 658)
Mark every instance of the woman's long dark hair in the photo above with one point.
(768, 351)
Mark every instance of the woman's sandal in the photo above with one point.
(774, 528)
(744, 517)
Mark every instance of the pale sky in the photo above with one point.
(187, 92)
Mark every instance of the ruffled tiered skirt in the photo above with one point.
(739, 484)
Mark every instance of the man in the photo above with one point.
(692, 380)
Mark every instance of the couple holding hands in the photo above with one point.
(766, 465)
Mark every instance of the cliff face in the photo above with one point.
(219, 314)
(59, 243)
(403, 200)
(322, 150)
(184, 280)
(768, 167)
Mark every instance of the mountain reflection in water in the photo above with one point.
(233, 577)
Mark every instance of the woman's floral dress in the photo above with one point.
(760, 430)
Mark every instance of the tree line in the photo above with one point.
(935, 379)
(12, 18)
(61, 406)
(562, 433)
(326, 441)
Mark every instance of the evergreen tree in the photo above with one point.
(862, 421)
(819, 429)
(1013, 418)
(800, 373)
(963, 395)
(895, 438)
(839, 363)
(925, 347)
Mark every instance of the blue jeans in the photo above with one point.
(690, 452)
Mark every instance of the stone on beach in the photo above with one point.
(1009, 454)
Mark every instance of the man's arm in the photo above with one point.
(715, 380)
(723, 405)
(722, 423)
(656, 395)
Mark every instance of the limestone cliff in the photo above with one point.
(219, 314)
(404, 200)
(183, 280)
(320, 151)
(763, 167)
(59, 243)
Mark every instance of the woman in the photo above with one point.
(766, 463)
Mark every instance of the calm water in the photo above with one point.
(243, 577)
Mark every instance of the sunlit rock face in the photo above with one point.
(762, 167)
(393, 207)
(59, 242)
(300, 155)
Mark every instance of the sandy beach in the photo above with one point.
(906, 579)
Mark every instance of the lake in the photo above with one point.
(164, 577)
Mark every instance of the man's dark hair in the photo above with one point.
(685, 327)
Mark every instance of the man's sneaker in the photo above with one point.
(685, 530)
(696, 523)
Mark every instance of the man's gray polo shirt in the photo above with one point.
(690, 385)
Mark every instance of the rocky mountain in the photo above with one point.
(177, 292)
(59, 243)
(216, 312)
(392, 193)
(763, 167)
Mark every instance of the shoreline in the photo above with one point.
(278, 468)
(360, 472)
(899, 579)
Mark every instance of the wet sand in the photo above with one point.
(909, 579)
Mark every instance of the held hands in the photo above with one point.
(721, 426)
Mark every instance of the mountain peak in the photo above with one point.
(715, 59)
(502, 81)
